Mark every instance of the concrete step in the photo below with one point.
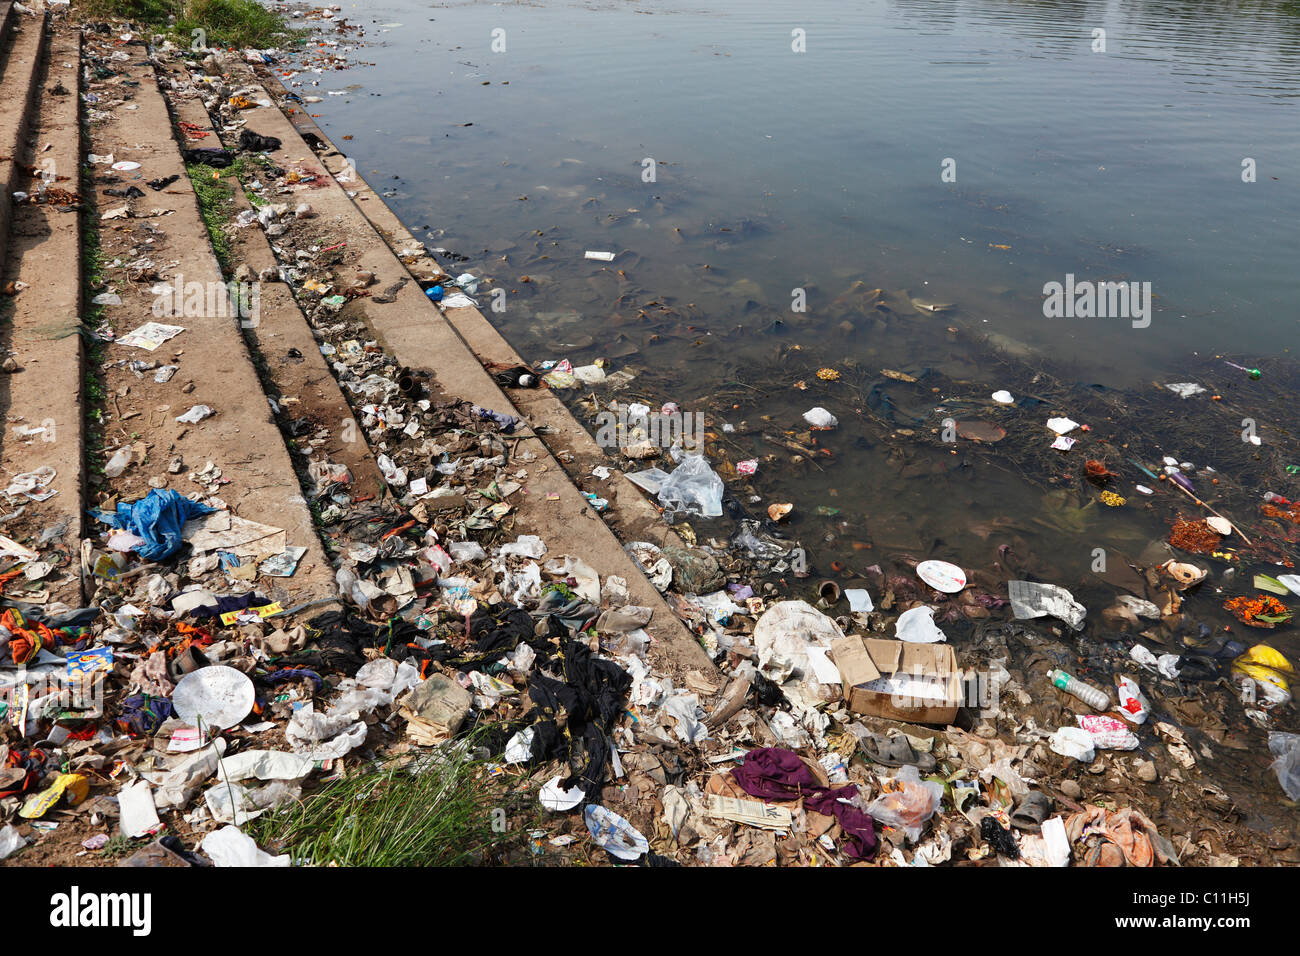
(22, 57)
(6, 20)
(305, 386)
(415, 332)
(631, 514)
(42, 401)
(160, 239)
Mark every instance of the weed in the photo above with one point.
(437, 810)
(237, 23)
(225, 23)
(214, 194)
(117, 847)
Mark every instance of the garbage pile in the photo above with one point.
(822, 740)
(923, 714)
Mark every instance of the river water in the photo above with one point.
(820, 173)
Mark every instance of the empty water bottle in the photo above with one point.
(1094, 697)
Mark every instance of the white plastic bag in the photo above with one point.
(818, 417)
(614, 833)
(229, 846)
(10, 840)
(1286, 748)
(693, 487)
(1073, 742)
(916, 626)
(783, 637)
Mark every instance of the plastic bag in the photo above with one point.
(693, 487)
(10, 840)
(118, 463)
(158, 518)
(1286, 748)
(694, 570)
(785, 634)
(908, 804)
(758, 544)
(615, 834)
(916, 626)
(818, 417)
(350, 588)
(1133, 705)
(1030, 599)
(1073, 742)
(231, 847)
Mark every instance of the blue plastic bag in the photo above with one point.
(158, 518)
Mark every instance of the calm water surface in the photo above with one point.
(820, 170)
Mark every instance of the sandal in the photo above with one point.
(1031, 813)
(895, 752)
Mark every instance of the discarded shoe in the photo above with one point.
(1031, 813)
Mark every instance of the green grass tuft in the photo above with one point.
(154, 12)
(226, 23)
(237, 23)
(214, 193)
(436, 810)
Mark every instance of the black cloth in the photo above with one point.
(335, 642)
(1000, 838)
(257, 143)
(590, 698)
(216, 158)
(227, 603)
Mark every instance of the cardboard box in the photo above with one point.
(934, 698)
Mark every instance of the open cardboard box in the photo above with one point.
(862, 662)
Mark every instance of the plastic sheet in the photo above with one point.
(231, 847)
(909, 805)
(916, 626)
(158, 518)
(693, 487)
(1286, 748)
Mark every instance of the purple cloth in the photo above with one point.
(858, 826)
(771, 773)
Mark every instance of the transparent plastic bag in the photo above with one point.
(909, 804)
(693, 487)
(1286, 748)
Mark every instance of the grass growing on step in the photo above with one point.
(435, 811)
(137, 11)
(239, 23)
(214, 193)
(225, 23)
(92, 266)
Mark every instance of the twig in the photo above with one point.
(1234, 524)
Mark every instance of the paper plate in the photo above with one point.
(219, 696)
(556, 799)
(126, 166)
(942, 576)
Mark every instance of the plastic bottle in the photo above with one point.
(1094, 697)
(350, 587)
(118, 463)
